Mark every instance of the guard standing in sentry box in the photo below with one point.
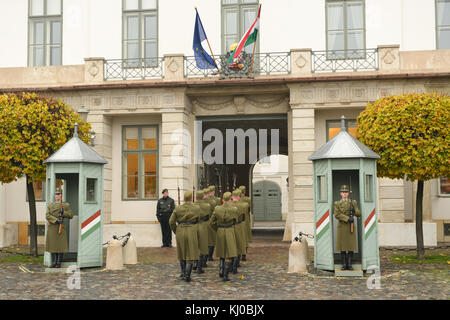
(56, 240)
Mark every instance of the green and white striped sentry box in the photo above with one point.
(345, 160)
(78, 169)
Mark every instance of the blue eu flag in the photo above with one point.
(203, 60)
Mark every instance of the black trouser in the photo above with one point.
(165, 229)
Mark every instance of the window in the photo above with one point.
(91, 190)
(368, 188)
(443, 24)
(44, 32)
(39, 191)
(345, 29)
(140, 32)
(444, 186)
(334, 127)
(321, 189)
(140, 162)
(237, 18)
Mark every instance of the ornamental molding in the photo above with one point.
(239, 102)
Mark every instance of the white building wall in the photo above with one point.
(94, 28)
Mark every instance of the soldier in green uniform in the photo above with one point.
(239, 227)
(187, 216)
(345, 211)
(223, 220)
(211, 232)
(205, 212)
(56, 242)
(247, 219)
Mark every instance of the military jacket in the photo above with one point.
(57, 242)
(222, 220)
(248, 228)
(239, 227)
(187, 216)
(211, 232)
(203, 232)
(346, 240)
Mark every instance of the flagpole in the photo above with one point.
(254, 47)
(212, 54)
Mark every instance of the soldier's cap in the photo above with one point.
(236, 193)
(58, 191)
(344, 188)
(227, 196)
(165, 190)
(187, 195)
(199, 194)
(211, 188)
(242, 188)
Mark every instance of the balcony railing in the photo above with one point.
(344, 60)
(134, 69)
(264, 64)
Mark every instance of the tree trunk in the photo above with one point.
(419, 226)
(33, 223)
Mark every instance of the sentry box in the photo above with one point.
(345, 160)
(78, 170)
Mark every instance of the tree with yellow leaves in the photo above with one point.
(411, 133)
(32, 128)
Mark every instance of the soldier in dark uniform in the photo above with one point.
(223, 220)
(205, 211)
(239, 227)
(345, 211)
(56, 242)
(183, 223)
(211, 232)
(247, 219)
(164, 209)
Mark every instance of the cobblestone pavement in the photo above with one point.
(264, 276)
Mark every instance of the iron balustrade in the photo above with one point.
(134, 69)
(344, 60)
(273, 63)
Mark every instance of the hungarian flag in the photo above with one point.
(248, 38)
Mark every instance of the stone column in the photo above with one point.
(389, 58)
(102, 126)
(94, 70)
(301, 62)
(301, 170)
(173, 67)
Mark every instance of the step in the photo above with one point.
(348, 273)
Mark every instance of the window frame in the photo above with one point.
(239, 6)
(44, 192)
(329, 121)
(319, 187)
(140, 152)
(140, 13)
(370, 194)
(440, 194)
(437, 27)
(47, 20)
(345, 30)
(95, 190)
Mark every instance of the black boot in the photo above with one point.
(58, 260)
(210, 254)
(349, 260)
(228, 267)
(244, 257)
(187, 276)
(183, 269)
(239, 261)
(234, 263)
(54, 260)
(195, 265)
(221, 267)
(200, 265)
(344, 260)
(204, 259)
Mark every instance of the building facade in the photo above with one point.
(130, 64)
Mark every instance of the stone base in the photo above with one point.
(64, 267)
(145, 235)
(389, 234)
(348, 273)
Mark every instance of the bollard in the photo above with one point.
(298, 256)
(130, 252)
(114, 258)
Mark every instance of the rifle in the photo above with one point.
(61, 213)
(178, 186)
(352, 209)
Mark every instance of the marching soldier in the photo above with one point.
(205, 211)
(211, 232)
(344, 211)
(247, 219)
(239, 227)
(222, 220)
(56, 241)
(187, 216)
